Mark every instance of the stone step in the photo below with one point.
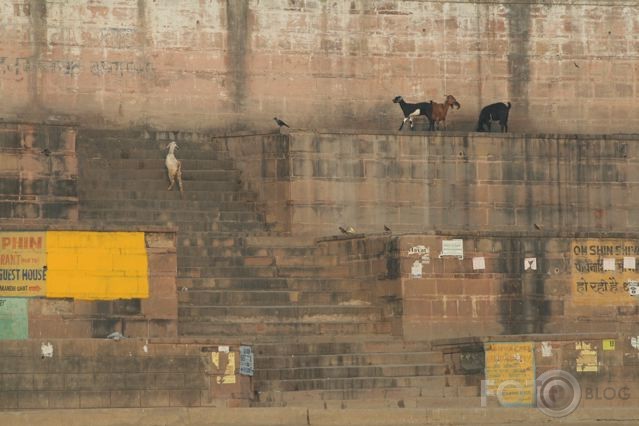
(354, 371)
(186, 219)
(266, 298)
(150, 153)
(353, 345)
(226, 272)
(178, 205)
(109, 174)
(426, 396)
(281, 313)
(275, 283)
(117, 196)
(285, 242)
(224, 261)
(102, 140)
(398, 401)
(347, 359)
(431, 385)
(89, 164)
(150, 214)
(144, 185)
(218, 225)
(279, 332)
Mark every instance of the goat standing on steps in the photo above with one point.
(440, 110)
(173, 166)
(413, 110)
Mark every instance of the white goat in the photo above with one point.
(173, 166)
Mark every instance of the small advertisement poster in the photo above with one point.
(23, 269)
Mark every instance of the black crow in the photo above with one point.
(280, 122)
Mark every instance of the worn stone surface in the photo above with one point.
(91, 373)
(566, 66)
(38, 172)
(444, 296)
(458, 181)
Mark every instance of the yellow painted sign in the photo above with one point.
(23, 266)
(609, 344)
(97, 265)
(510, 373)
(586, 361)
(227, 376)
(602, 271)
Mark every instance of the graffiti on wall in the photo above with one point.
(20, 66)
(603, 271)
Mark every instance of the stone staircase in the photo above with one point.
(382, 373)
(317, 312)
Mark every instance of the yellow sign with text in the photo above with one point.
(602, 271)
(23, 264)
(510, 373)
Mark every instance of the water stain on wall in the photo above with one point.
(519, 27)
(238, 31)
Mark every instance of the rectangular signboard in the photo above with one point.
(603, 271)
(23, 267)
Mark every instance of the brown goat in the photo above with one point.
(440, 110)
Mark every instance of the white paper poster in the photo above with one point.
(479, 263)
(453, 248)
(629, 263)
(530, 264)
(609, 264)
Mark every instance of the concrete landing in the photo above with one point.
(303, 416)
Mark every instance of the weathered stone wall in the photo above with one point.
(91, 373)
(444, 296)
(596, 369)
(569, 66)
(38, 172)
(455, 182)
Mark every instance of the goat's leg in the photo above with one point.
(410, 120)
(172, 182)
(403, 122)
(179, 177)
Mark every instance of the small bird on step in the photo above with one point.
(280, 122)
(347, 231)
(387, 229)
(46, 152)
(540, 227)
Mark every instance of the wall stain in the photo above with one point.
(238, 29)
(519, 28)
(38, 19)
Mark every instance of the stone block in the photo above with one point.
(155, 398)
(125, 399)
(64, 399)
(185, 398)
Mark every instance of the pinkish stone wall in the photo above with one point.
(567, 67)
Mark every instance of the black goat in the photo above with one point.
(413, 110)
(494, 112)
